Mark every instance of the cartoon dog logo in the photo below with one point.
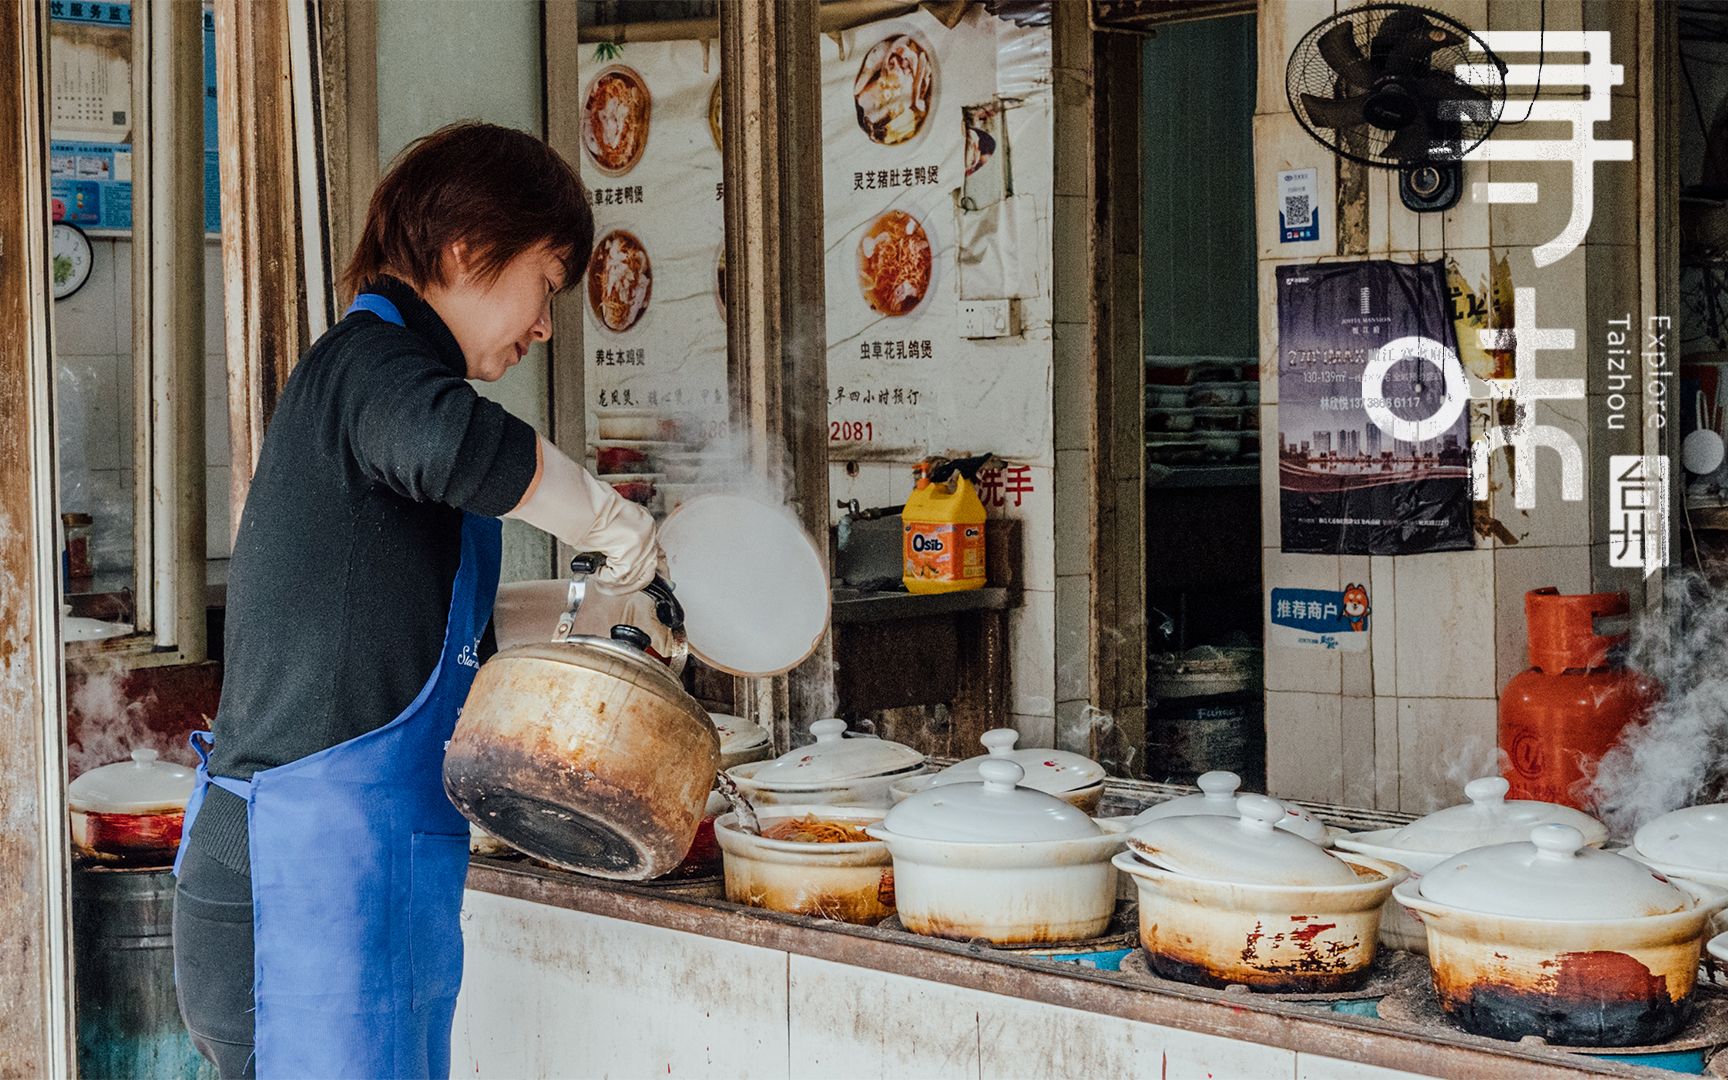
(1356, 607)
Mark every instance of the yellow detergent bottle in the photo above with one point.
(942, 531)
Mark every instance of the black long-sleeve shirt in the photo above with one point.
(339, 586)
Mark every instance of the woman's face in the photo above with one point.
(495, 323)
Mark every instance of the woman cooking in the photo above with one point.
(315, 917)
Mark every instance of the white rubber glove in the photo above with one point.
(588, 515)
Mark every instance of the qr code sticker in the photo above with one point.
(1296, 211)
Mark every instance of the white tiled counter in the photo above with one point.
(573, 978)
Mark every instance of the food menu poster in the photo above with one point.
(909, 106)
(90, 155)
(918, 122)
(654, 326)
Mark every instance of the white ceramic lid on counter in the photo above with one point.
(1246, 849)
(1693, 838)
(750, 580)
(143, 785)
(1719, 947)
(1217, 798)
(833, 757)
(1552, 875)
(738, 735)
(997, 809)
(1488, 818)
(1054, 771)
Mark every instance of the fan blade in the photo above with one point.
(1339, 49)
(1451, 98)
(1405, 41)
(1427, 138)
(1333, 113)
(1411, 146)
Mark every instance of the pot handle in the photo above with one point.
(666, 606)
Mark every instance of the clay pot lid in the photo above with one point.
(1248, 849)
(997, 809)
(738, 734)
(1053, 771)
(1488, 818)
(1693, 838)
(142, 785)
(1217, 798)
(1552, 875)
(751, 581)
(833, 758)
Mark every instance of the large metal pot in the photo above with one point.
(1553, 938)
(587, 754)
(1243, 901)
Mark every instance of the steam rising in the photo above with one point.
(1681, 755)
(110, 727)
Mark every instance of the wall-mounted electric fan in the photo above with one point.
(1384, 84)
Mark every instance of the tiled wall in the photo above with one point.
(1402, 725)
(545, 991)
(95, 411)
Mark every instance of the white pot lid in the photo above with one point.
(1217, 798)
(1552, 875)
(833, 757)
(995, 810)
(1695, 838)
(1055, 771)
(1246, 849)
(1719, 947)
(737, 734)
(752, 583)
(143, 785)
(1489, 818)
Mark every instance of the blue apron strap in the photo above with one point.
(202, 742)
(377, 305)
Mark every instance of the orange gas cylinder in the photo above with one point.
(1558, 717)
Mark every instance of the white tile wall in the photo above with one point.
(1443, 743)
(1032, 643)
(553, 993)
(95, 404)
(549, 993)
(1305, 745)
(1445, 626)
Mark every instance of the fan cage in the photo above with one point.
(1309, 72)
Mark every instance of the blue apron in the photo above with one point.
(358, 866)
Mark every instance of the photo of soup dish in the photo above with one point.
(620, 280)
(894, 262)
(714, 127)
(615, 120)
(893, 89)
(720, 283)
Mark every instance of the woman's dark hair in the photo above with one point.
(496, 190)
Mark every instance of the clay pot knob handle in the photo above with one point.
(1260, 812)
(1219, 784)
(1000, 741)
(1556, 841)
(827, 731)
(1000, 777)
(145, 757)
(1487, 792)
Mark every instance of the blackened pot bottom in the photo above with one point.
(1391, 970)
(1705, 1023)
